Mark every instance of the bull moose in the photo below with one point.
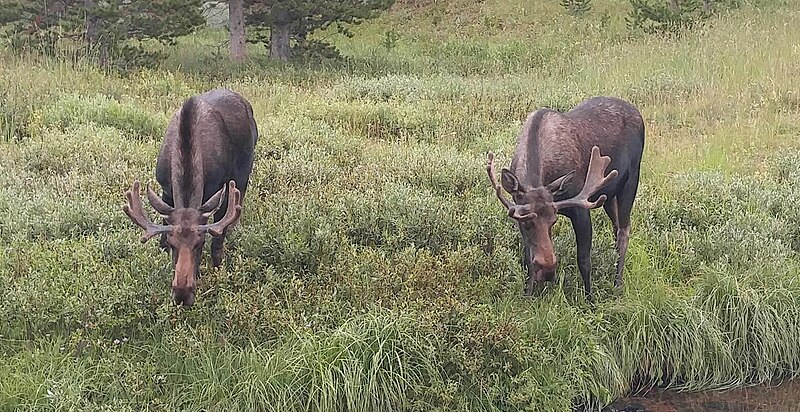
(557, 168)
(208, 147)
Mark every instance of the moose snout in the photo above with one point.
(184, 296)
(540, 270)
(544, 268)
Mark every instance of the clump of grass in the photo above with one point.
(373, 268)
(129, 118)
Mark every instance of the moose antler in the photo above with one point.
(497, 189)
(158, 204)
(518, 212)
(135, 211)
(594, 182)
(231, 214)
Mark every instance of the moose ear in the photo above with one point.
(556, 187)
(509, 181)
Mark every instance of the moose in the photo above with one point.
(557, 168)
(206, 155)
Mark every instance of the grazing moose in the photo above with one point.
(208, 145)
(557, 169)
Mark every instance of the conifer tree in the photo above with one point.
(104, 27)
(290, 22)
(673, 16)
(576, 7)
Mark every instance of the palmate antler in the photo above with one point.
(514, 211)
(594, 182)
(231, 214)
(135, 211)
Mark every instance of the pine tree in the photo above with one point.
(290, 22)
(236, 24)
(102, 26)
(576, 7)
(673, 16)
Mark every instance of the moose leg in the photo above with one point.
(162, 242)
(623, 232)
(218, 249)
(218, 243)
(526, 256)
(582, 225)
(612, 210)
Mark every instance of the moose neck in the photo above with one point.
(187, 161)
(547, 148)
(526, 163)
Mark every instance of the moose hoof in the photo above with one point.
(590, 299)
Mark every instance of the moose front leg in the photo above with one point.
(218, 243)
(162, 242)
(582, 225)
(218, 249)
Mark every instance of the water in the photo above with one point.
(782, 398)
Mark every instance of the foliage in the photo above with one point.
(305, 17)
(576, 7)
(373, 268)
(105, 28)
(673, 16)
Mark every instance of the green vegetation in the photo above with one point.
(374, 268)
(113, 31)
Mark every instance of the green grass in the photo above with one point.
(374, 269)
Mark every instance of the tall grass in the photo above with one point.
(373, 268)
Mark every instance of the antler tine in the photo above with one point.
(135, 212)
(594, 182)
(232, 213)
(521, 212)
(498, 190)
(158, 204)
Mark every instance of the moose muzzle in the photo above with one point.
(539, 272)
(183, 296)
(185, 281)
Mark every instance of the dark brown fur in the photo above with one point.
(209, 142)
(185, 149)
(550, 165)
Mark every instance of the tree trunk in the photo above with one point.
(279, 33)
(673, 6)
(236, 25)
(93, 36)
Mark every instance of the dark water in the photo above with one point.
(781, 398)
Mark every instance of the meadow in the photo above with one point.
(373, 268)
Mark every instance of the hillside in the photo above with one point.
(373, 268)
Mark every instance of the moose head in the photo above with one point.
(185, 232)
(535, 210)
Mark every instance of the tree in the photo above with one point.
(673, 16)
(576, 7)
(102, 26)
(291, 22)
(236, 24)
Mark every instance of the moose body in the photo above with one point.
(208, 146)
(557, 168)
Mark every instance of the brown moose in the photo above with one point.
(557, 169)
(208, 148)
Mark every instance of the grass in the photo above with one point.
(373, 269)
